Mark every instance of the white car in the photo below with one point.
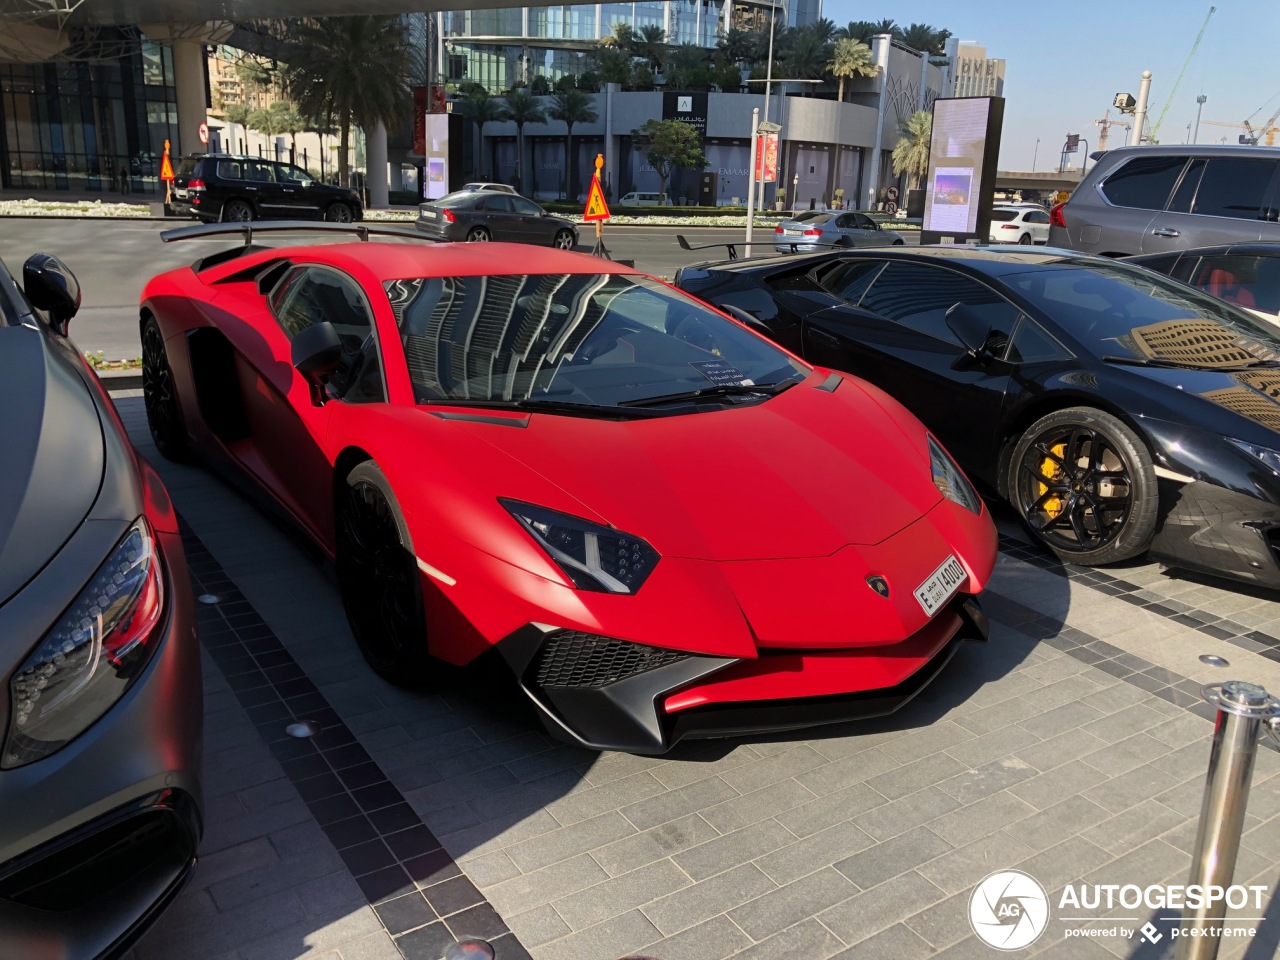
(497, 187)
(1019, 224)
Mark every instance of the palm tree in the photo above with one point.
(862, 30)
(911, 152)
(651, 43)
(851, 59)
(823, 29)
(238, 113)
(620, 37)
(922, 37)
(268, 123)
(612, 65)
(570, 107)
(735, 45)
(805, 55)
(523, 107)
(482, 108)
(354, 69)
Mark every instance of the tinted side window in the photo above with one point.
(864, 222)
(496, 204)
(314, 295)
(1031, 344)
(1160, 264)
(850, 280)
(230, 170)
(525, 207)
(1143, 182)
(1186, 192)
(1251, 282)
(918, 296)
(1035, 216)
(1234, 187)
(260, 171)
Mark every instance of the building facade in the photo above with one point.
(970, 72)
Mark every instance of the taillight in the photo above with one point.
(448, 216)
(778, 230)
(195, 184)
(813, 233)
(1056, 216)
(1008, 226)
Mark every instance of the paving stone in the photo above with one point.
(806, 939)
(805, 856)
(1125, 723)
(1046, 789)
(792, 903)
(309, 935)
(1130, 829)
(374, 946)
(760, 773)
(1065, 862)
(1124, 755)
(961, 869)
(490, 868)
(708, 898)
(1120, 793)
(664, 840)
(1000, 715)
(976, 783)
(542, 886)
(1057, 822)
(817, 815)
(981, 818)
(892, 857)
(678, 802)
(992, 746)
(585, 804)
(538, 926)
(569, 841)
(681, 772)
(1069, 716)
(714, 939)
(619, 894)
(1059, 749)
(898, 942)
(233, 861)
(1149, 863)
(930, 740)
(732, 849)
(944, 923)
(848, 771)
(771, 801)
(491, 836)
(911, 777)
(893, 819)
(881, 906)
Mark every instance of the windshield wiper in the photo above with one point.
(602, 411)
(1179, 365)
(708, 393)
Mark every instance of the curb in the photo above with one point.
(118, 381)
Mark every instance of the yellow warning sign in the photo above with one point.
(166, 168)
(597, 209)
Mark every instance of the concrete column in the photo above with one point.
(376, 161)
(880, 47)
(188, 83)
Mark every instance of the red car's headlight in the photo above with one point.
(92, 656)
(593, 557)
(950, 481)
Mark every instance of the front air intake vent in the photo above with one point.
(569, 658)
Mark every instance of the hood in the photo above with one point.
(54, 454)
(800, 475)
(1251, 396)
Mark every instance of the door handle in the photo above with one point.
(823, 337)
(1165, 232)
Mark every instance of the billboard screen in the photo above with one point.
(960, 183)
(435, 179)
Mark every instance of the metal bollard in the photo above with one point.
(1243, 708)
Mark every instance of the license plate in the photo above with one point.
(180, 193)
(791, 233)
(427, 214)
(942, 583)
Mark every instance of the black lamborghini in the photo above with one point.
(1117, 410)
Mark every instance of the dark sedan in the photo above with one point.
(100, 707)
(1117, 410)
(481, 216)
(1246, 274)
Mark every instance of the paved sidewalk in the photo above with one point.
(1072, 747)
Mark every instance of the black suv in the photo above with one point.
(218, 186)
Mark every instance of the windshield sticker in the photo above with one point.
(722, 373)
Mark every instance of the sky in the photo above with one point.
(1066, 61)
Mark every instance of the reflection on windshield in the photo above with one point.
(595, 340)
(1125, 311)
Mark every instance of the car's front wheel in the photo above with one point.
(237, 211)
(1084, 484)
(158, 395)
(378, 578)
(338, 213)
(478, 235)
(564, 240)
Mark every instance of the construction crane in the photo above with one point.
(1155, 130)
(1105, 124)
(1253, 134)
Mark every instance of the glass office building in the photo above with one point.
(509, 47)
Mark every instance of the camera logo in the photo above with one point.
(1009, 910)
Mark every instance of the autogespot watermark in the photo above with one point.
(1009, 910)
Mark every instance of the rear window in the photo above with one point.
(1004, 215)
(812, 216)
(187, 166)
(1144, 182)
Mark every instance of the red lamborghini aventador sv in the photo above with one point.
(665, 525)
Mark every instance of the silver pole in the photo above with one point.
(1140, 111)
(1242, 710)
(751, 177)
(1199, 106)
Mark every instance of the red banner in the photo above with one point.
(420, 121)
(767, 157)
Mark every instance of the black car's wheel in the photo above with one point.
(163, 416)
(478, 235)
(1025, 240)
(897, 243)
(1084, 484)
(338, 213)
(378, 578)
(237, 211)
(564, 240)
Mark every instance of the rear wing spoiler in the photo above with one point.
(246, 229)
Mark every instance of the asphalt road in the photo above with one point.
(113, 259)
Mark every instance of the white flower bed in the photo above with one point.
(77, 208)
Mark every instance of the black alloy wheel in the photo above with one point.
(378, 579)
(237, 211)
(338, 213)
(1025, 240)
(158, 396)
(478, 235)
(563, 240)
(1084, 484)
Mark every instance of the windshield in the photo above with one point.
(1125, 311)
(589, 340)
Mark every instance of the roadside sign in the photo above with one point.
(204, 134)
(597, 209)
(891, 194)
(1062, 197)
(1073, 143)
(891, 207)
(166, 167)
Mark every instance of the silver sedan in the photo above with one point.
(820, 229)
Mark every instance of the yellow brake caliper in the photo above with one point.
(1050, 470)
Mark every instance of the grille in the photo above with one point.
(573, 659)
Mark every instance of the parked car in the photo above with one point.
(813, 230)
(1158, 199)
(1246, 274)
(520, 455)
(642, 199)
(1019, 224)
(100, 721)
(493, 187)
(232, 188)
(480, 216)
(1117, 410)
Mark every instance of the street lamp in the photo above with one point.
(757, 128)
(1034, 155)
(1199, 106)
